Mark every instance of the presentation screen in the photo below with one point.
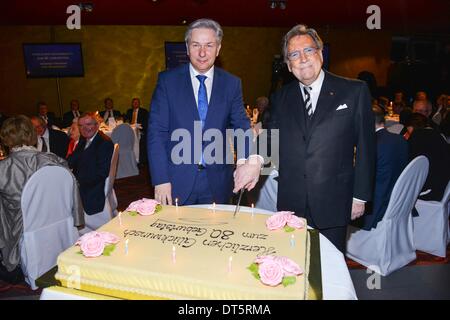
(50, 60)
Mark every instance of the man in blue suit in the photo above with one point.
(392, 158)
(194, 96)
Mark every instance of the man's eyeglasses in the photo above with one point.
(308, 52)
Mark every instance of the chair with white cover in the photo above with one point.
(390, 245)
(95, 221)
(395, 128)
(124, 135)
(431, 228)
(266, 192)
(48, 226)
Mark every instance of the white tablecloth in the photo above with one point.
(336, 281)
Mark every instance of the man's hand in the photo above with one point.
(357, 209)
(247, 175)
(163, 193)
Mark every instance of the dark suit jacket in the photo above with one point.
(59, 142)
(115, 113)
(68, 118)
(91, 168)
(173, 107)
(430, 143)
(392, 158)
(51, 119)
(142, 117)
(316, 156)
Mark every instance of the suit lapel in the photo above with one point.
(324, 103)
(296, 106)
(187, 94)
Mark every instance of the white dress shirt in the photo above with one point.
(89, 141)
(46, 139)
(316, 86)
(196, 83)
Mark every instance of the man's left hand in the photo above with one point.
(246, 175)
(357, 209)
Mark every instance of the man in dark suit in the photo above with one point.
(137, 115)
(109, 111)
(74, 113)
(90, 162)
(326, 140)
(391, 159)
(48, 116)
(201, 96)
(50, 140)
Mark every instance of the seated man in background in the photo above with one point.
(90, 162)
(24, 159)
(48, 117)
(426, 141)
(391, 159)
(138, 115)
(50, 140)
(71, 115)
(109, 111)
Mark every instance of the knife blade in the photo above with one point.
(238, 203)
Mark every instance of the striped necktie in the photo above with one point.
(308, 103)
(44, 145)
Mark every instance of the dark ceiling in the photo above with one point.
(399, 15)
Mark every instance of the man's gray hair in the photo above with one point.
(207, 24)
(300, 30)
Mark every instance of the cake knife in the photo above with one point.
(238, 203)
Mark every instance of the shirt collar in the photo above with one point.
(194, 73)
(317, 84)
(378, 129)
(90, 140)
(45, 135)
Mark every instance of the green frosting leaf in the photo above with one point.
(288, 229)
(132, 213)
(108, 249)
(288, 280)
(254, 269)
(158, 208)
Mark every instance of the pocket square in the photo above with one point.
(342, 106)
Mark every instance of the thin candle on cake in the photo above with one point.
(214, 207)
(292, 241)
(253, 210)
(230, 264)
(126, 246)
(120, 219)
(174, 255)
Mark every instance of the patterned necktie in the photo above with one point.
(134, 118)
(202, 104)
(202, 99)
(308, 103)
(44, 145)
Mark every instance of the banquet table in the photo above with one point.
(336, 281)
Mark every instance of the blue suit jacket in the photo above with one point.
(173, 107)
(392, 158)
(91, 168)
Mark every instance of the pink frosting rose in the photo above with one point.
(289, 267)
(92, 246)
(276, 221)
(87, 236)
(109, 237)
(144, 206)
(263, 259)
(270, 273)
(295, 222)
